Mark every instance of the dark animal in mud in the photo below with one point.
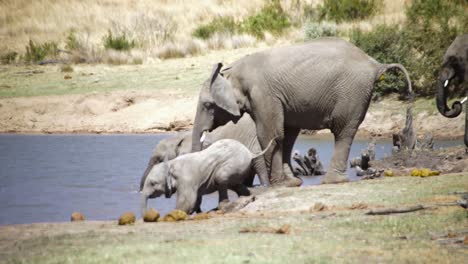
(220, 166)
(454, 74)
(309, 165)
(325, 83)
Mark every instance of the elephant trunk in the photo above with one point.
(441, 99)
(144, 203)
(197, 135)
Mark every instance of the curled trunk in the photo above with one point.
(442, 86)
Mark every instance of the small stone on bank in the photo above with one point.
(151, 215)
(77, 216)
(127, 218)
(174, 216)
(201, 216)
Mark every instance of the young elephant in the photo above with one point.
(243, 131)
(220, 166)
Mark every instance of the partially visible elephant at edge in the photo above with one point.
(325, 83)
(220, 166)
(454, 72)
(243, 131)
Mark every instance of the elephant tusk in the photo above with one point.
(446, 83)
(203, 137)
(464, 100)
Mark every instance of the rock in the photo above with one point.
(284, 229)
(388, 173)
(318, 207)
(465, 241)
(425, 172)
(416, 173)
(77, 216)
(201, 216)
(127, 218)
(358, 206)
(174, 216)
(67, 77)
(151, 215)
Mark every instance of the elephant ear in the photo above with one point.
(222, 92)
(168, 186)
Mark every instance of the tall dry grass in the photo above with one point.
(162, 28)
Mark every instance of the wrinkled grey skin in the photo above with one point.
(453, 74)
(243, 131)
(325, 83)
(220, 166)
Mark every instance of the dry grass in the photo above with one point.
(162, 28)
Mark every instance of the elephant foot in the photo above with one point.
(334, 177)
(288, 182)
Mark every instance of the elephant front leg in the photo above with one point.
(337, 171)
(290, 135)
(187, 199)
(268, 128)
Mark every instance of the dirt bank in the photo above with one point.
(151, 111)
(336, 231)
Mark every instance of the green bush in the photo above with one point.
(346, 10)
(218, 25)
(8, 57)
(120, 42)
(430, 28)
(38, 52)
(72, 43)
(387, 45)
(316, 30)
(271, 18)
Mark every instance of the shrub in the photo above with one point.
(271, 18)
(346, 10)
(386, 44)
(430, 28)
(316, 30)
(72, 43)
(36, 53)
(8, 57)
(218, 25)
(120, 43)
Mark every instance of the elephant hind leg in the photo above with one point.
(343, 141)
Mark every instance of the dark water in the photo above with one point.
(44, 178)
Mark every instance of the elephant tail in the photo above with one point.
(385, 67)
(256, 155)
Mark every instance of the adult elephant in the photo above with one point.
(325, 83)
(454, 72)
(243, 131)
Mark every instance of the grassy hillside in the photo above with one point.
(160, 28)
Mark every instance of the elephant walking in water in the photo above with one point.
(454, 73)
(325, 83)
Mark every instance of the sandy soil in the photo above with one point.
(148, 112)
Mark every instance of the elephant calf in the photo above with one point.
(220, 166)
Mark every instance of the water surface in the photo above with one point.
(44, 178)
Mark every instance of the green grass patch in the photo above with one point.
(118, 42)
(38, 52)
(347, 10)
(218, 25)
(271, 18)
